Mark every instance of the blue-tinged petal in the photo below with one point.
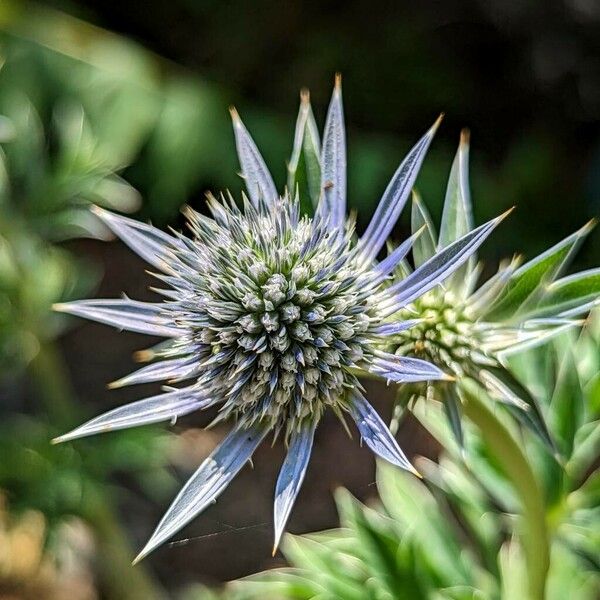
(388, 264)
(259, 182)
(438, 268)
(394, 197)
(152, 244)
(291, 477)
(388, 329)
(332, 204)
(131, 315)
(402, 369)
(169, 370)
(163, 407)
(207, 483)
(376, 433)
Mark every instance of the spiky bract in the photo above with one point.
(277, 309)
(472, 332)
(270, 315)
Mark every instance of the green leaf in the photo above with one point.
(304, 168)
(568, 404)
(409, 503)
(513, 571)
(527, 283)
(451, 403)
(425, 245)
(457, 216)
(470, 502)
(317, 557)
(586, 449)
(378, 546)
(502, 385)
(296, 584)
(570, 293)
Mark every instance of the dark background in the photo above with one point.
(523, 76)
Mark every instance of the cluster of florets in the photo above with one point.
(277, 309)
(445, 335)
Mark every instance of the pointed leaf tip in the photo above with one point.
(394, 197)
(589, 226)
(465, 137)
(338, 82)
(506, 213)
(376, 434)
(290, 478)
(235, 116)
(207, 483)
(305, 96)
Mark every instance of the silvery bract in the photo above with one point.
(472, 332)
(270, 315)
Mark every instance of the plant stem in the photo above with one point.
(118, 577)
(510, 454)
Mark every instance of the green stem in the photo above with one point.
(118, 577)
(510, 454)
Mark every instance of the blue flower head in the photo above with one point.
(271, 315)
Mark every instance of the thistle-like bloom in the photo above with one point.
(472, 332)
(270, 315)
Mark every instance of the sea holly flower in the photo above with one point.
(270, 315)
(472, 331)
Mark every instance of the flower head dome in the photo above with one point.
(270, 315)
